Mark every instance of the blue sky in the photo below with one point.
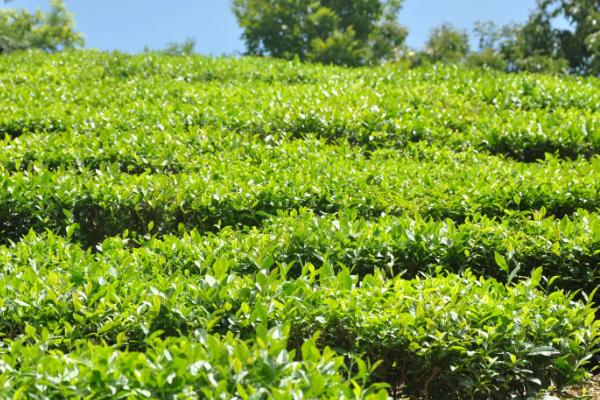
(129, 25)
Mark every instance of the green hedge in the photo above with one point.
(568, 249)
(521, 116)
(455, 334)
(181, 227)
(242, 186)
(204, 366)
(456, 337)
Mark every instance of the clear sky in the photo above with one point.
(129, 25)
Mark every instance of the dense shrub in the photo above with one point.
(191, 227)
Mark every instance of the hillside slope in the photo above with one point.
(194, 227)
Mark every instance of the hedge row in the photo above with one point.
(521, 116)
(241, 187)
(567, 249)
(459, 335)
(203, 366)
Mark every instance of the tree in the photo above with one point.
(51, 31)
(488, 34)
(579, 45)
(529, 47)
(538, 44)
(180, 49)
(447, 44)
(347, 32)
(184, 48)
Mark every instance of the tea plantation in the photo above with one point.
(193, 227)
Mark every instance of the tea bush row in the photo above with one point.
(568, 249)
(460, 336)
(241, 188)
(521, 116)
(203, 366)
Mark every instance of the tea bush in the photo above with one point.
(519, 115)
(450, 334)
(195, 227)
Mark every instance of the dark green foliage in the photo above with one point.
(352, 32)
(581, 45)
(487, 58)
(539, 46)
(184, 48)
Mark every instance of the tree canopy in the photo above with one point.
(347, 32)
(447, 43)
(539, 45)
(580, 45)
(51, 31)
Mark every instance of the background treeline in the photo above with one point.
(534, 46)
(365, 32)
